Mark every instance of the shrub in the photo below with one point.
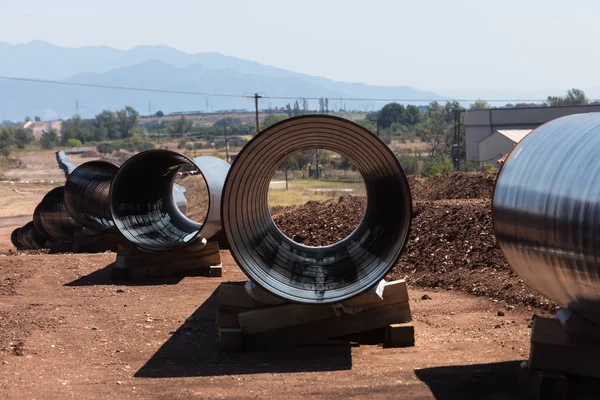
(438, 165)
(106, 148)
(73, 143)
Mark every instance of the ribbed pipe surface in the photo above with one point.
(87, 194)
(54, 218)
(546, 212)
(143, 204)
(309, 274)
(29, 238)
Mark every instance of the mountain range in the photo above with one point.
(162, 68)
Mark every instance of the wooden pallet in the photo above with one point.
(133, 263)
(244, 323)
(561, 366)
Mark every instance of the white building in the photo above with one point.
(484, 125)
(499, 144)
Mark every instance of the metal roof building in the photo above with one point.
(481, 124)
(500, 143)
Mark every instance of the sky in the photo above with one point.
(509, 45)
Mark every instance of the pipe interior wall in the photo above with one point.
(144, 201)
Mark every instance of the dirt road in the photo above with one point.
(68, 331)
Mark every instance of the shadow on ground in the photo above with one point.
(104, 276)
(193, 350)
(480, 381)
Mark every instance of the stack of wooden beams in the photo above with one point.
(133, 263)
(244, 323)
(561, 366)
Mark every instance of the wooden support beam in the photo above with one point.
(316, 332)
(134, 263)
(400, 335)
(271, 318)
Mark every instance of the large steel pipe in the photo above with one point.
(309, 274)
(546, 212)
(87, 194)
(54, 220)
(143, 204)
(27, 238)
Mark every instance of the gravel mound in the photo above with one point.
(322, 223)
(451, 243)
(455, 185)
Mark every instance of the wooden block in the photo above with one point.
(215, 271)
(165, 263)
(230, 340)
(227, 320)
(234, 296)
(400, 335)
(393, 292)
(319, 331)
(266, 319)
(547, 385)
(552, 349)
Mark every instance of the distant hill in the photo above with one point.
(158, 67)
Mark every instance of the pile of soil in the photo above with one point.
(196, 195)
(451, 244)
(322, 223)
(455, 185)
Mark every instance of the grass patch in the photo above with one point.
(302, 191)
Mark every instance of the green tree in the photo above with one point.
(574, 97)
(37, 119)
(107, 122)
(480, 105)
(390, 113)
(413, 115)
(182, 125)
(49, 139)
(23, 137)
(438, 165)
(73, 143)
(160, 114)
(272, 119)
(435, 129)
(127, 120)
(7, 139)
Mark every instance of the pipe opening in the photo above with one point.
(317, 197)
(147, 206)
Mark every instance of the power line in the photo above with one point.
(167, 91)
(120, 87)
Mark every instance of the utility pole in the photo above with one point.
(317, 164)
(76, 106)
(456, 146)
(376, 120)
(226, 145)
(256, 97)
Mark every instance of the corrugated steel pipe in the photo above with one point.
(143, 204)
(546, 212)
(87, 194)
(14, 238)
(29, 238)
(316, 275)
(54, 219)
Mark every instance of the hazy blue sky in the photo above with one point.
(438, 44)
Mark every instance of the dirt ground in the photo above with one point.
(68, 331)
